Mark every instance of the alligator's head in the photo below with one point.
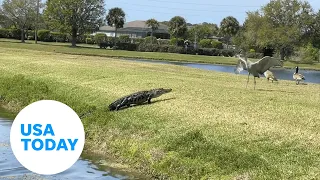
(159, 92)
(112, 107)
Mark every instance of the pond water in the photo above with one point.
(311, 76)
(84, 168)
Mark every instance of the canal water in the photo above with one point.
(84, 168)
(311, 76)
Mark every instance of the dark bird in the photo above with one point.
(297, 76)
(256, 68)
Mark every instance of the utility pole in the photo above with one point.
(36, 26)
(195, 40)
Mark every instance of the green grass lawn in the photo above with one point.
(93, 50)
(210, 126)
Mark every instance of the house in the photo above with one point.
(136, 29)
(217, 38)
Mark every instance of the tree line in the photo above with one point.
(78, 17)
(284, 27)
(290, 28)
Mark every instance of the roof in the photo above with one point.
(135, 26)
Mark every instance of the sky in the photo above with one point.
(194, 11)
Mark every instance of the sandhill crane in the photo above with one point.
(256, 68)
(270, 76)
(297, 76)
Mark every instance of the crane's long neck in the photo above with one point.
(248, 63)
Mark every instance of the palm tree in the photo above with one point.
(178, 27)
(116, 18)
(229, 27)
(154, 24)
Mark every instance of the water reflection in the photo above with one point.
(10, 168)
(281, 73)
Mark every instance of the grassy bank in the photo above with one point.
(92, 50)
(209, 126)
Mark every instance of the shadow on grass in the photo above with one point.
(53, 44)
(262, 156)
(302, 83)
(193, 145)
(271, 90)
(146, 103)
(16, 42)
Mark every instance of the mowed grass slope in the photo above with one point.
(93, 50)
(210, 126)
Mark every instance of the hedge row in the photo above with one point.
(43, 35)
(146, 47)
(210, 43)
(255, 55)
(125, 43)
(48, 36)
(10, 33)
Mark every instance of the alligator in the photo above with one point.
(137, 98)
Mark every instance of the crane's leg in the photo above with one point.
(248, 80)
(254, 83)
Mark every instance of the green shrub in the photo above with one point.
(126, 46)
(100, 37)
(89, 41)
(209, 43)
(4, 33)
(177, 42)
(164, 42)
(205, 43)
(252, 51)
(58, 37)
(30, 35)
(141, 47)
(310, 53)
(110, 39)
(190, 50)
(228, 52)
(138, 40)
(145, 47)
(164, 48)
(15, 33)
(124, 39)
(175, 49)
(154, 47)
(44, 35)
(254, 55)
(81, 39)
(209, 51)
(306, 55)
(217, 44)
(88, 36)
(149, 40)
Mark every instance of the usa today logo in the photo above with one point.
(47, 137)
